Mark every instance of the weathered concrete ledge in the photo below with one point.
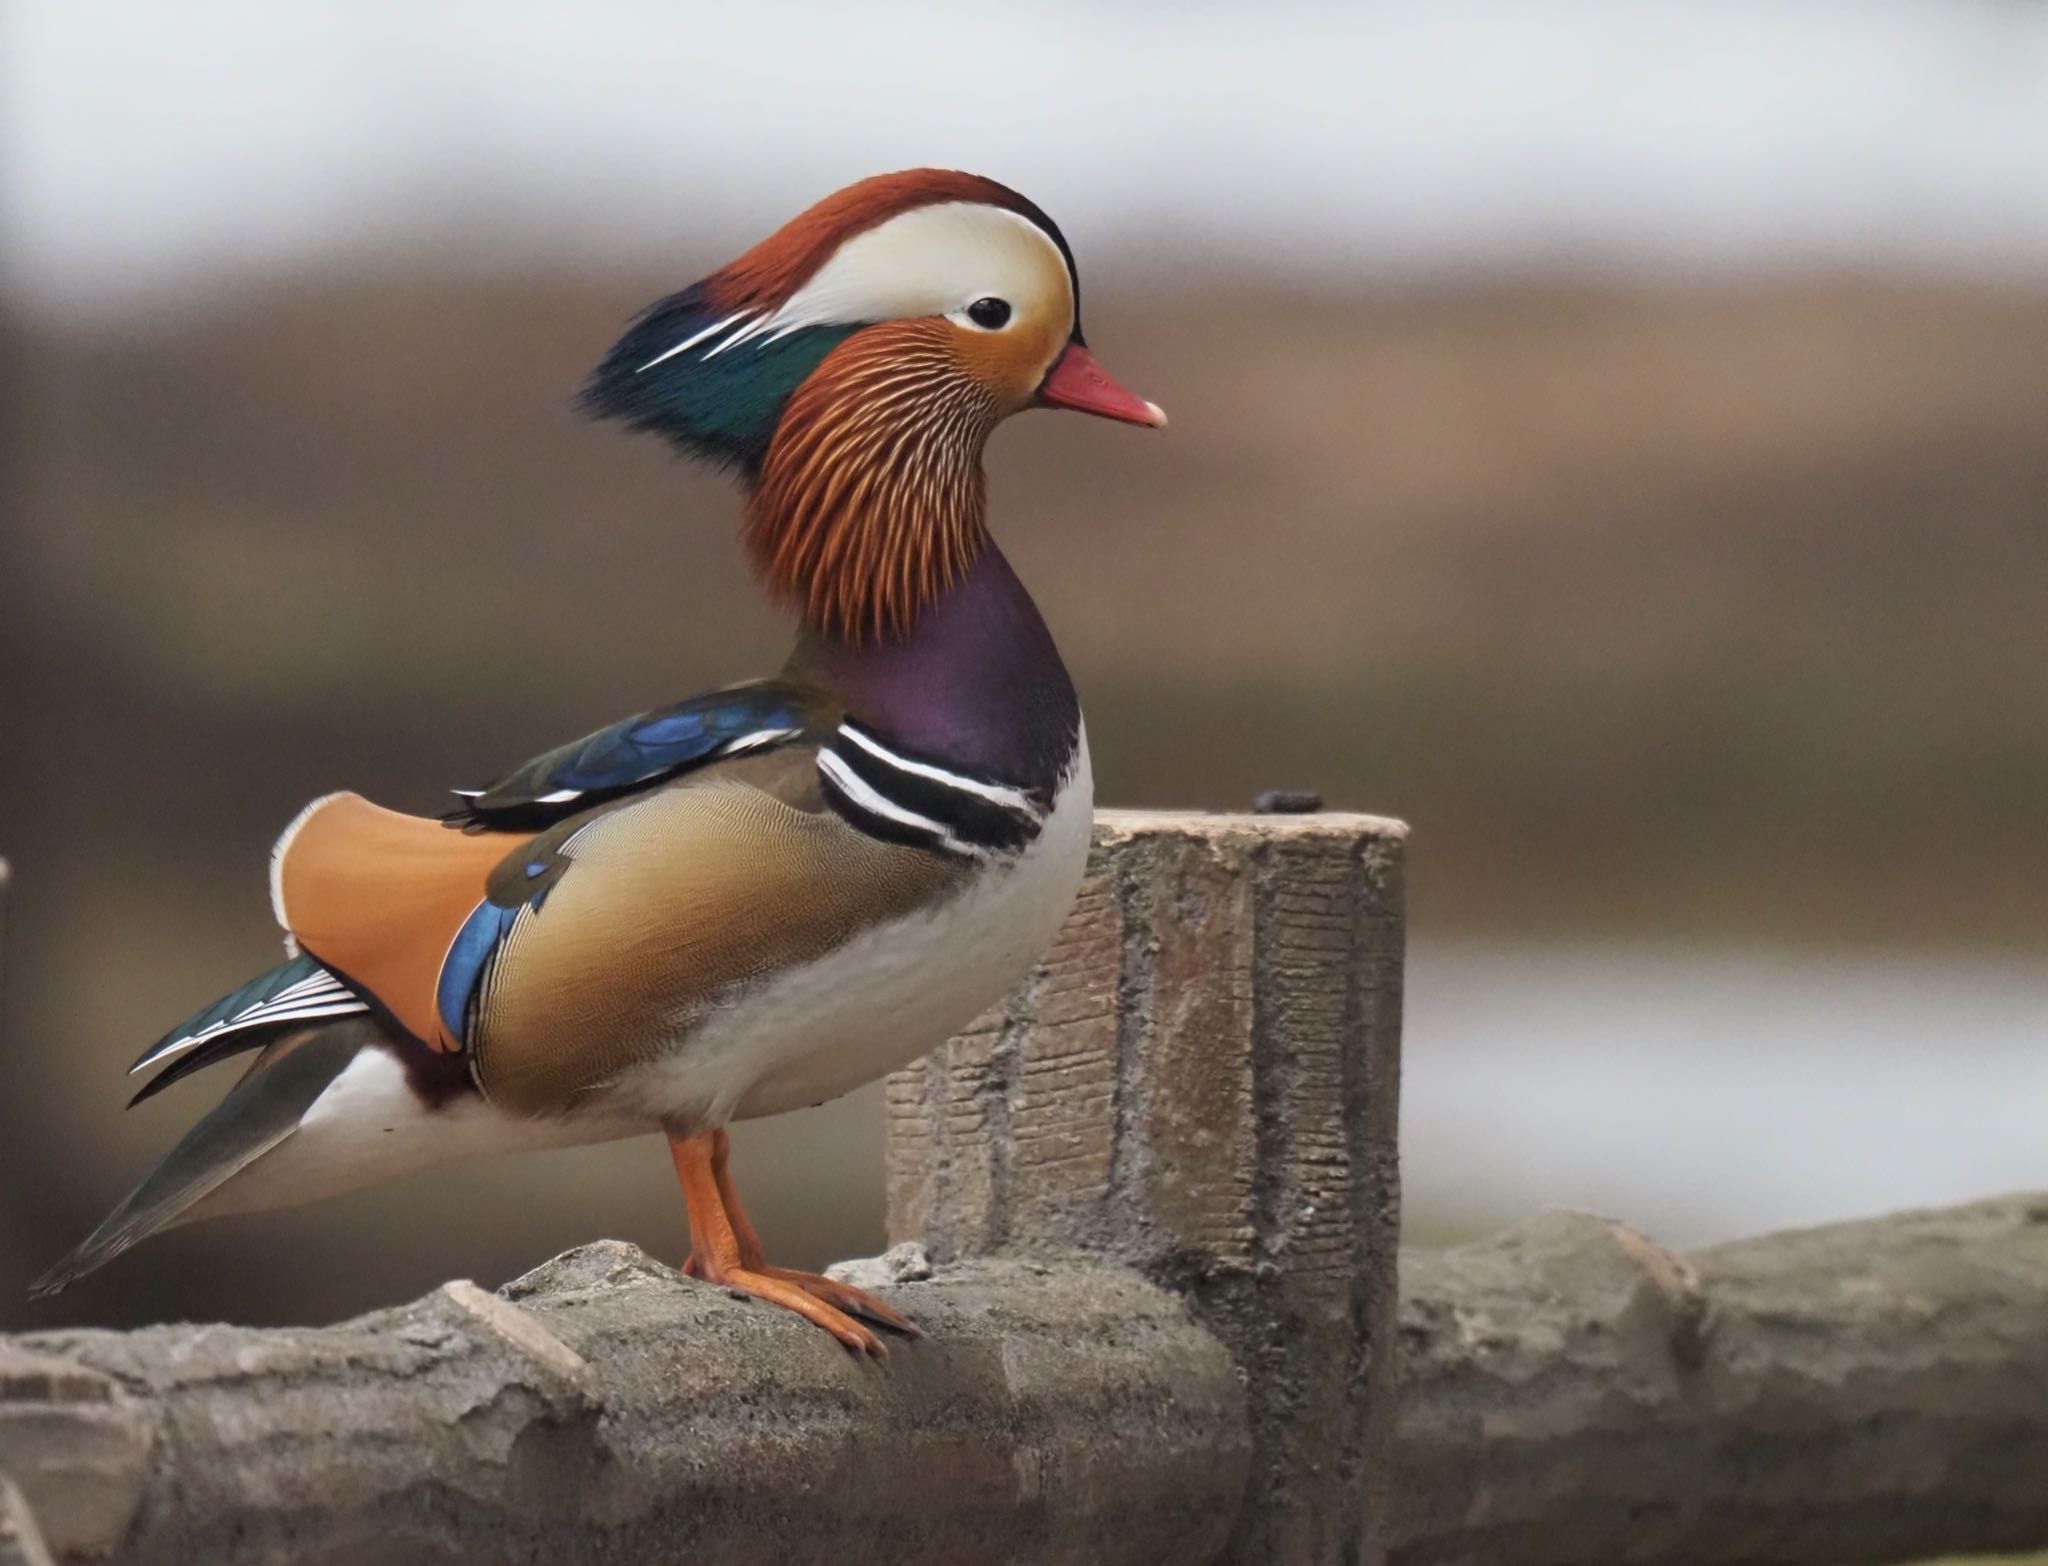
(1201, 1080)
(603, 1409)
(21, 1540)
(1571, 1392)
(1162, 1173)
(1872, 1391)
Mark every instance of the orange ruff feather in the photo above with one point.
(871, 500)
(379, 896)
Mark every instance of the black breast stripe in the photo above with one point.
(903, 798)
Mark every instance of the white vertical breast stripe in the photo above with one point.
(866, 798)
(994, 793)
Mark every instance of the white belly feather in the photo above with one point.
(369, 1125)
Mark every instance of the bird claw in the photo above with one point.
(726, 1252)
(846, 1298)
(777, 1287)
(819, 1300)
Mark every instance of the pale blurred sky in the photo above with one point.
(151, 145)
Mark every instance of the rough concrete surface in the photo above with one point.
(1872, 1391)
(1178, 1135)
(21, 1540)
(604, 1409)
(1200, 1079)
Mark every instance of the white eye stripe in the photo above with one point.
(933, 260)
(916, 264)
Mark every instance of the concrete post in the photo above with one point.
(1201, 1080)
(21, 1541)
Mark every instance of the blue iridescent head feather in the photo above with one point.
(720, 406)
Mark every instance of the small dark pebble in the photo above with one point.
(1287, 802)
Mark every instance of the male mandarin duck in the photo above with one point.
(747, 902)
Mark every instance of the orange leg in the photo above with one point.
(724, 1249)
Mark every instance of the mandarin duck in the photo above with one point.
(754, 900)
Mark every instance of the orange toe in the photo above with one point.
(791, 1296)
(831, 1304)
(845, 1297)
(724, 1250)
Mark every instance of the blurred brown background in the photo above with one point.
(1627, 461)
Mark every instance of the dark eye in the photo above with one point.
(989, 314)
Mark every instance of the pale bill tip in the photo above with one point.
(1155, 415)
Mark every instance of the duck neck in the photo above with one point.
(869, 503)
(974, 681)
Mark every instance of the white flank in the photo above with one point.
(560, 796)
(369, 1125)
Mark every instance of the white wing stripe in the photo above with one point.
(322, 980)
(175, 1047)
(754, 741)
(334, 1008)
(338, 1007)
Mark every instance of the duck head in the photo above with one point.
(851, 367)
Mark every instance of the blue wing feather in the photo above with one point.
(647, 748)
(475, 944)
